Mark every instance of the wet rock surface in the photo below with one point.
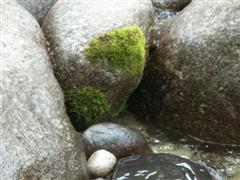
(176, 5)
(119, 140)
(38, 8)
(160, 16)
(159, 166)
(37, 139)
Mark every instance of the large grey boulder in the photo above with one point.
(196, 72)
(38, 8)
(72, 27)
(37, 139)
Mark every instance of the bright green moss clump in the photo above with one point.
(123, 48)
(88, 103)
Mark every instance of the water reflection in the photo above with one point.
(159, 167)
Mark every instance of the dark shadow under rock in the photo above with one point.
(147, 100)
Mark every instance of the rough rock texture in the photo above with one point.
(38, 8)
(71, 25)
(159, 166)
(119, 140)
(176, 5)
(37, 139)
(160, 16)
(101, 163)
(196, 73)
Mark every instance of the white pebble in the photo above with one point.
(101, 163)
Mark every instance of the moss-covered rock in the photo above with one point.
(89, 103)
(105, 48)
(123, 48)
(120, 52)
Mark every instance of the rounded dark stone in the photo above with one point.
(159, 166)
(119, 140)
(176, 5)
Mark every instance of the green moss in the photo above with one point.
(123, 48)
(88, 103)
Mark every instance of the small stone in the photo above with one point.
(176, 5)
(101, 163)
(120, 140)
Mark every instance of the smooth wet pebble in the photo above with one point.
(120, 140)
(159, 166)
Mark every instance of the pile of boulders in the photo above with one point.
(90, 56)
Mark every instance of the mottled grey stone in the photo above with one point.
(195, 75)
(38, 8)
(70, 25)
(120, 140)
(37, 139)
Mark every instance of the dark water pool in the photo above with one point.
(222, 162)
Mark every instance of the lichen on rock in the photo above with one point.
(123, 48)
(88, 102)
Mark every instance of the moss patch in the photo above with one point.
(123, 48)
(89, 103)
